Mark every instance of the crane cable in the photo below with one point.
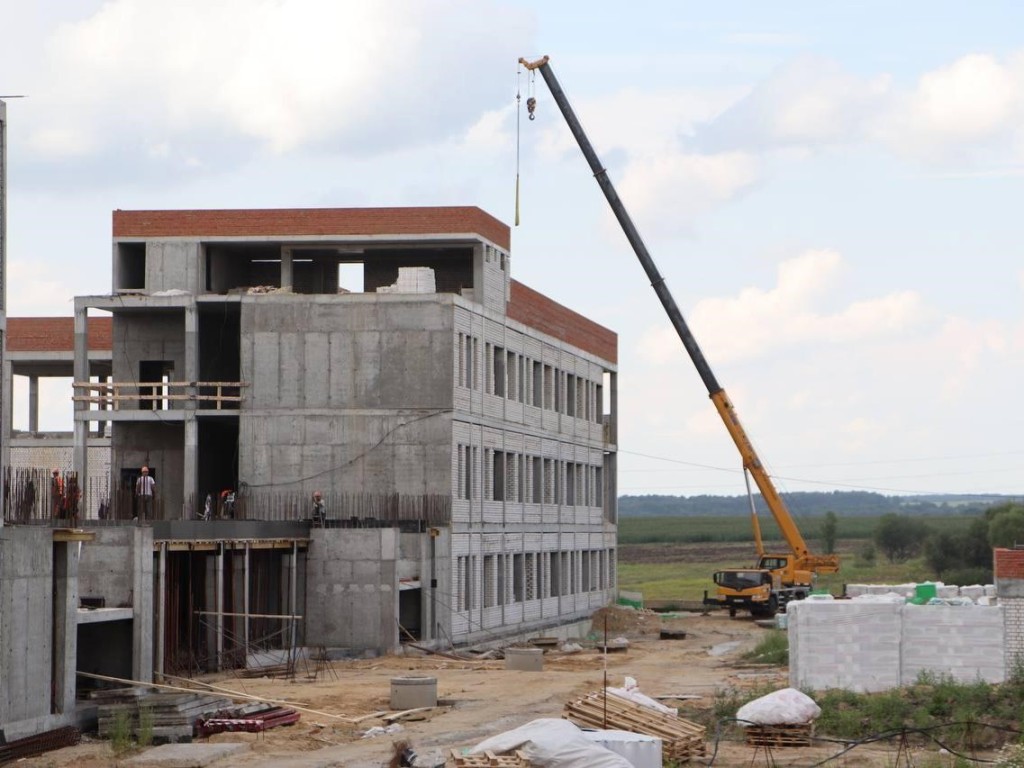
(519, 113)
(531, 106)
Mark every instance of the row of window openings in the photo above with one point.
(518, 578)
(517, 377)
(529, 479)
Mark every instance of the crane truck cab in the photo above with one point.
(763, 590)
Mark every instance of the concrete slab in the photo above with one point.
(185, 755)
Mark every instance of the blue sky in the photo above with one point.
(831, 191)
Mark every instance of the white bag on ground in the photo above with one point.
(630, 691)
(785, 707)
(551, 742)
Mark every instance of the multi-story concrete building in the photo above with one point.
(460, 426)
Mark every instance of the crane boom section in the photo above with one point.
(718, 396)
(753, 465)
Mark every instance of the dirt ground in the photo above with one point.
(478, 699)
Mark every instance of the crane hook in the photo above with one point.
(531, 105)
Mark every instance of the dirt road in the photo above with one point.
(478, 699)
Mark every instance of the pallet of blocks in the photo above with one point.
(780, 735)
(490, 760)
(681, 740)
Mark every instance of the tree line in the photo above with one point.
(810, 504)
(956, 558)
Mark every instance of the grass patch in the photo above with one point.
(144, 735)
(950, 711)
(773, 649)
(121, 732)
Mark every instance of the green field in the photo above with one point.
(668, 558)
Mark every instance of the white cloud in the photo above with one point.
(970, 99)
(757, 322)
(808, 101)
(975, 102)
(196, 76)
(670, 191)
(39, 291)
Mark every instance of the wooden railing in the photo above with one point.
(158, 395)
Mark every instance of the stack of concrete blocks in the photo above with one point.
(412, 280)
(839, 644)
(868, 646)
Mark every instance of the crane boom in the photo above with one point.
(751, 461)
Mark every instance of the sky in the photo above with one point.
(831, 191)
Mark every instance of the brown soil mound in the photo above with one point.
(623, 620)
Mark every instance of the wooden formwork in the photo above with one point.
(681, 740)
(780, 735)
(490, 760)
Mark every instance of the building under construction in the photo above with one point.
(458, 427)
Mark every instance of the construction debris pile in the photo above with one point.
(169, 718)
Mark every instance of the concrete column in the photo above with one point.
(101, 426)
(190, 470)
(80, 450)
(245, 600)
(142, 604)
(33, 404)
(219, 606)
(287, 280)
(191, 502)
(293, 607)
(161, 610)
(6, 415)
(65, 625)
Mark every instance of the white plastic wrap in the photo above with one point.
(785, 707)
(631, 692)
(553, 743)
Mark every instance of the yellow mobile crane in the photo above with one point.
(777, 578)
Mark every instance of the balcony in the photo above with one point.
(116, 400)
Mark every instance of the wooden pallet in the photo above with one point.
(780, 735)
(490, 760)
(681, 740)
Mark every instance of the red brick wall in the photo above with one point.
(1009, 563)
(538, 311)
(285, 222)
(54, 334)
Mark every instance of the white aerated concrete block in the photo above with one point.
(974, 591)
(853, 645)
(964, 642)
(864, 645)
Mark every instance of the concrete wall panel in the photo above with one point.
(26, 622)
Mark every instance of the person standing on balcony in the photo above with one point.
(319, 510)
(145, 487)
(56, 494)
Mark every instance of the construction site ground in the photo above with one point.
(480, 698)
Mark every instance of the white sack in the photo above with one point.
(551, 743)
(631, 692)
(786, 707)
